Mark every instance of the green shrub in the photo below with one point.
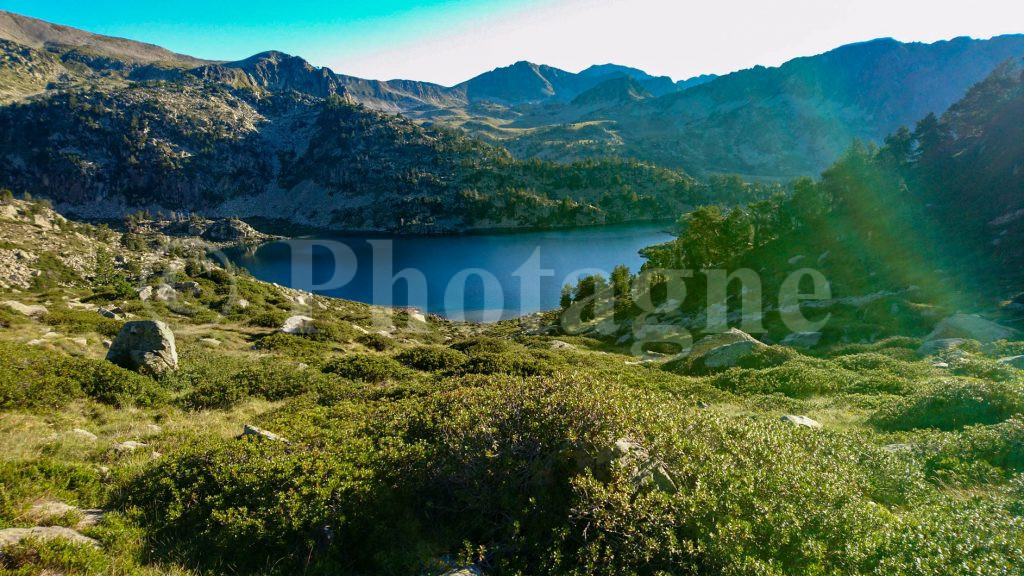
(268, 319)
(366, 367)
(292, 346)
(796, 380)
(516, 364)
(482, 344)
(981, 367)
(897, 346)
(951, 404)
(83, 321)
(52, 272)
(376, 342)
(272, 380)
(875, 372)
(431, 358)
(114, 385)
(221, 394)
(509, 470)
(978, 454)
(31, 378)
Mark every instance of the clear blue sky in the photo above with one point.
(447, 41)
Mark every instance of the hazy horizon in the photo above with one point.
(449, 41)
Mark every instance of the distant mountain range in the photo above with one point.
(128, 123)
(762, 123)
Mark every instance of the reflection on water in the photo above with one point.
(478, 277)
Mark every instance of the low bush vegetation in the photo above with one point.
(952, 403)
(82, 321)
(366, 367)
(431, 358)
(36, 378)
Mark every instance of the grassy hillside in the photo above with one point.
(415, 445)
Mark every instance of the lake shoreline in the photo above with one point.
(456, 276)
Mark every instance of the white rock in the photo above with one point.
(25, 309)
(250, 430)
(13, 536)
(803, 421)
(299, 325)
(128, 446)
(83, 434)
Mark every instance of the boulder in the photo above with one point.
(145, 345)
(160, 292)
(164, 293)
(472, 570)
(128, 446)
(14, 536)
(971, 327)
(299, 325)
(802, 339)
(560, 345)
(800, 421)
(645, 471)
(83, 434)
(941, 345)
(1015, 361)
(50, 511)
(724, 350)
(260, 433)
(25, 309)
(192, 288)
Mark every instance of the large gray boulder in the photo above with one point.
(802, 339)
(724, 350)
(146, 346)
(971, 327)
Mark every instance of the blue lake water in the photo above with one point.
(473, 277)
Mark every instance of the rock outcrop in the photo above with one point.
(231, 230)
(13, 536)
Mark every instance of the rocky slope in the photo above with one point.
(202, 145)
